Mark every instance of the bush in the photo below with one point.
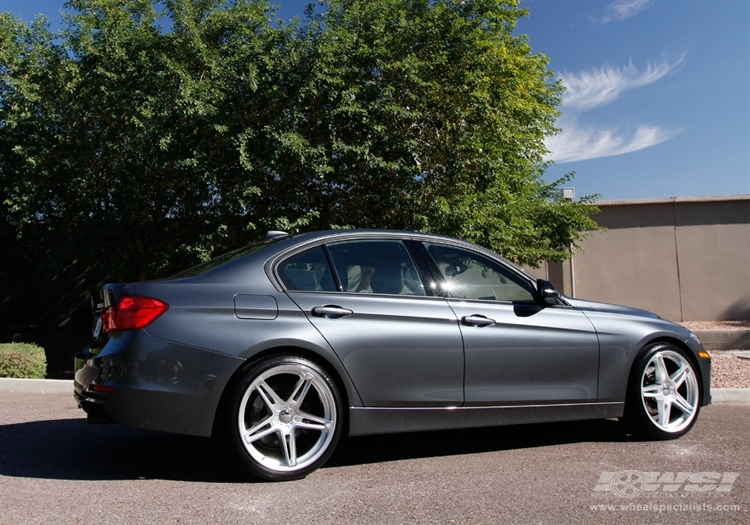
(22, 360)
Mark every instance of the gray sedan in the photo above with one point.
(282, 347)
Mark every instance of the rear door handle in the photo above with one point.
(477, 320)
(330, 311)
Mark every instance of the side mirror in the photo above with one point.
(547, 292)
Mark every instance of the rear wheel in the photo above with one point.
(284, 418)
(664, 394)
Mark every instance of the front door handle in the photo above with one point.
(477, 320)
(330, 311)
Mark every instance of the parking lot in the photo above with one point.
(54, 468)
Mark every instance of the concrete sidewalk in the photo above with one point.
(718, 395)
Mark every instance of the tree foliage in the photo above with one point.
(22, 361)
(148, 136)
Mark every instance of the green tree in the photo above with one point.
(433, 115)
(148, 136)
(133, 151)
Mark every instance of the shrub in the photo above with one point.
(22, 360)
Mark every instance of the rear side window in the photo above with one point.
(380, 267)
(307, 271)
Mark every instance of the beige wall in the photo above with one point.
(685, 258)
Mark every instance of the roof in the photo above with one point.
(673, 200)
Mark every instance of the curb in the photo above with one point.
(742, 354)
(730, 395)
(10, 384)
(718, 395)
(724, 339)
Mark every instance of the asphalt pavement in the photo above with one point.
(54, 468)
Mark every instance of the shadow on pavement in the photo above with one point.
(71, 449)
(393, 447)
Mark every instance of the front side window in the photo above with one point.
(381, 267)
(470, 275)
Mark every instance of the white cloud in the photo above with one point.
(620, 10)
(601, 86)
(585, 142)
(589, 89)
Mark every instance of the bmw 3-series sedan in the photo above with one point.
(283, 347)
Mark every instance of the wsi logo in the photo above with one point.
(630, 483)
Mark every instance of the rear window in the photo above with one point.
(200, 269)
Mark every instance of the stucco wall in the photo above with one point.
(685, 258)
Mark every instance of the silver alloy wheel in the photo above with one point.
(669, 391)
(287, 417)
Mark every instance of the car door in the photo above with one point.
(400, 346)
(516, 351)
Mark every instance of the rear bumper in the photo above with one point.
(96, 409)
(143, 381)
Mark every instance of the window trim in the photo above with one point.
(336, 279)
(414, 242)
(410, 245)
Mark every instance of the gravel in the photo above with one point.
(717, 325)
(728, 370)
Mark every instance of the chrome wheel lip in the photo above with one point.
(667, 391)
(287, 416)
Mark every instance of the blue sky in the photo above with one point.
(658, 100)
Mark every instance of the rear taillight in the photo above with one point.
(132, 312)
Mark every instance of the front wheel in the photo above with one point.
(284, 418)
(664, 394)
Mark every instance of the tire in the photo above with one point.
(664, 396)
(283, 419)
